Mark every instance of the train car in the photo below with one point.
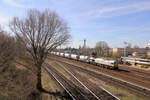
(57, 53)
(135, 60)
(98, 61)
(54, 53)
(114, 64)
(74, 56)
(111, 64)
(67, 55)
(91, 60)
(84, 58)
(61, 54)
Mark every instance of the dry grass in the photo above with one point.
(29, 77)
(17, 83)
(49, 84)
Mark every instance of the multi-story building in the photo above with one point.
(129, 51)
(118, 52)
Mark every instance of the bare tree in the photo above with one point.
(129, 45)
(41, 32)
(102, 48)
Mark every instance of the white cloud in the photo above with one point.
(111, 11)
(13, 3)
(126, 29)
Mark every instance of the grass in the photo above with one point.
(50, 86)
(17, 83)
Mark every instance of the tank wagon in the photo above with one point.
(110, 64)
(57, 53)
(84, 58)
(61, 54)
(67, 55)
(75, 57)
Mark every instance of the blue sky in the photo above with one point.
(113, 21)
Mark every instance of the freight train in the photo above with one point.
(109, 64)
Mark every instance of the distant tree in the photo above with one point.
(41, 32)
(93, 54)
(7, 50)
(127, 45)
(102, 48)
(80, 50)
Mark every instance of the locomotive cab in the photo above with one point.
(115, 65)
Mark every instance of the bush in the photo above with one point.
(7, 50)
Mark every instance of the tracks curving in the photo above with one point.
(94, 89)
(74, 91)
(139, 90)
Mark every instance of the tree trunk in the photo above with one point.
(39, 84)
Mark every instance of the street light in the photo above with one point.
(125, 48)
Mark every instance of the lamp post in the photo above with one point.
(125, 48)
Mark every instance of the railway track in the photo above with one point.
(121, 73)
(100, 93)
(136, 89)
(74, 91)
(143, 73)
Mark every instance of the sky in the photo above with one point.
(113, 21)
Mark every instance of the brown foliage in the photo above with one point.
(17, 84)
(7, 50)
